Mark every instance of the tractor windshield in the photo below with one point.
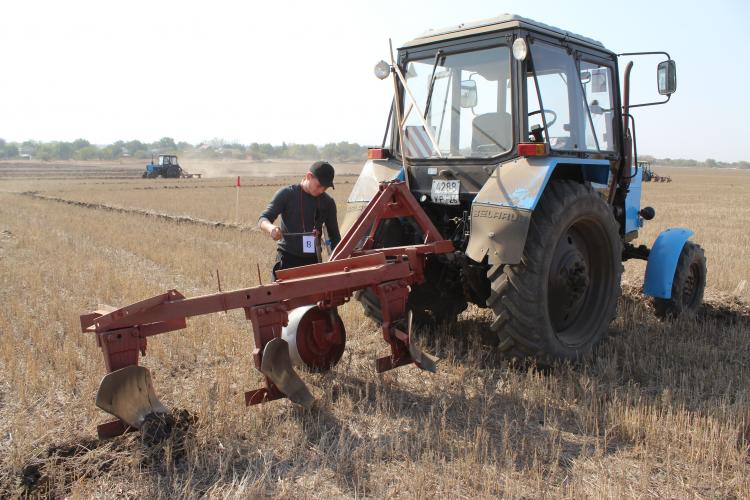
(469, 112)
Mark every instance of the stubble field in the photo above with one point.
(662, 410)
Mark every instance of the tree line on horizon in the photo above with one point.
(81, 149)
(682, 162)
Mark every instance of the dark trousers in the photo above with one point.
(285, 260)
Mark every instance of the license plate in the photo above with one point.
(445, 192)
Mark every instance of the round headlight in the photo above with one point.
(520, 50)
(382, 70)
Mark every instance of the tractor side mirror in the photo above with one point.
(666, 76)
(468, 93)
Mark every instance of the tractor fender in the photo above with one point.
(373, 173)
(501, 211)
(662, 262)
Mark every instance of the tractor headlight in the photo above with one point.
(382, 70)
(520, 50)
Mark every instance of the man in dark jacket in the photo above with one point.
(303, 207)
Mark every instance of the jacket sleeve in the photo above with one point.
(332, 225)
(275, 206)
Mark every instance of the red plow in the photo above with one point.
(294, 319)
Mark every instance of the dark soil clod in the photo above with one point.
(157, 427)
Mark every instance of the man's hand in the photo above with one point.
(273, 231)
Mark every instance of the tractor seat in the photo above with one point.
(489, 130)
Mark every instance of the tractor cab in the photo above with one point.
(166, 160)
(481, 94)
(474, 100)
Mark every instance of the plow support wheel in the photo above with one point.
(129, 395)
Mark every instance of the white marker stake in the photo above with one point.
(237, 202)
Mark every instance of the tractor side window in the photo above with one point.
(550, 64)
(561, 109)
(596, 81)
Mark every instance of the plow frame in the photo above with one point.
(355, 265)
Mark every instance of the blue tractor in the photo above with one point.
(167, 167)
(518, 142)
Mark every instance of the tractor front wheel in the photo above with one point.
(688, 284)
(557, 303)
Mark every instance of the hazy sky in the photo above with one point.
(301, 71)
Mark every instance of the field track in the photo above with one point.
(146, 213)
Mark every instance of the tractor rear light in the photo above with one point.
(377, 154)
(533, 149)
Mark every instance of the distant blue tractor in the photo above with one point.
(517, 141)
(167, 167)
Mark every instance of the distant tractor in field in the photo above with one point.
(167, 167)
(648, 172)
(649, 175)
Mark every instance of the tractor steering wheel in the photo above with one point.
(546, 111)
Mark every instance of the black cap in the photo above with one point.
(323, 171)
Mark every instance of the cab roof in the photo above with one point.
(503, 22)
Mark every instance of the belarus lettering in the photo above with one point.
(495, 213)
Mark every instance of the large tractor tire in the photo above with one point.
(173, 172)
(558, 302)
(688, 284)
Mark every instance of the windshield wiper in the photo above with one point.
(438, 54)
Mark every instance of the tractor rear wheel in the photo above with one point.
(688, 284)
(172, 172)
(556, 304)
